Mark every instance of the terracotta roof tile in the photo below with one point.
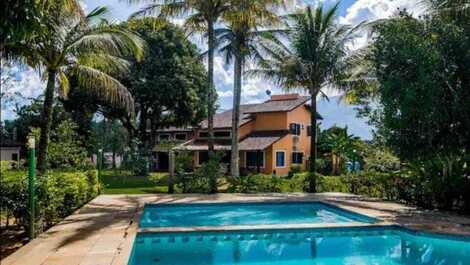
(224, 119)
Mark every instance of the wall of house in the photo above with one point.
(301, 115)
(6, 153)
(246, 129)
(271, 121)
(288, 145)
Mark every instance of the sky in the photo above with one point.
(30, 84)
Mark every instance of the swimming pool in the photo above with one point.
(322, 246)
(221, 214)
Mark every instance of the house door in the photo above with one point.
(163, 161)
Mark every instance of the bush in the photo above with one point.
(257, 183)
(199, 181)
(332, 184)
(294, 170)
(58, 194)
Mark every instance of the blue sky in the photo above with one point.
(30, 84)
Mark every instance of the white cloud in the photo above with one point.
(18, 86)
(371, 10)
(377, 9)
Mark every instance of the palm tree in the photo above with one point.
(315, 59)
(85, 48)
(241, 41)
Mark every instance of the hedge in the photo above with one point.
(58, 194)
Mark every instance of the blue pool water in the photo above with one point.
(353, 246)
(246, 214)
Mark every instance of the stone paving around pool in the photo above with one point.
(102, 232)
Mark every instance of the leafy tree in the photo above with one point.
(202, 16)
(84, 47)
(110, 136)
(169, 85)
(20, 20)
(29, 116)
(315, 59)
(239, 43)
(66, 148)
(423, 89)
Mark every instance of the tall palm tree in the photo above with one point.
(202, 16)
(314, 59)
(241, 41)
(84, 47)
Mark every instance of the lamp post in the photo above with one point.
(31, 183)
(99, 162)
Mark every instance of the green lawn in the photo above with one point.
(122, 182)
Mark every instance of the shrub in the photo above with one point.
(294, 170)
(58, 194)
(332, 184)
(256, 183)
(200, 180)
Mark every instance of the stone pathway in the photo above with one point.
(102, 232)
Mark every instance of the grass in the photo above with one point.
(122, 182)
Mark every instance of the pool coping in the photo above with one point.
(327, 231)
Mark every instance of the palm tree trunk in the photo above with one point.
(210, 96)
(46, 118)
(237, 89)
(210, 99)
(312, 183)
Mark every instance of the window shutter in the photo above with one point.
(309, 130)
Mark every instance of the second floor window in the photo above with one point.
(164, 137)
(295, 128)
(217, 134)
(180, 136)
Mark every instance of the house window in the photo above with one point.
(251, 159)
(297, 158)
(180, 136)
(218, 134)
(280, 158)
(222, 134)
(164, 137)
(203, 134)
(295, 128)
(203, 157)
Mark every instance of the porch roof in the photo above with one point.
(261, 140)
(254, 141)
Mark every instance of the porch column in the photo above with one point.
(258, 152)
(171, 165)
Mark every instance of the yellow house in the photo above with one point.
(274, 136)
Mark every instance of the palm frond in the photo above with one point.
(109, 39)
(104, 86)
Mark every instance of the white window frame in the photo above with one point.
(303, 157)
(261, 166)
(285, 158)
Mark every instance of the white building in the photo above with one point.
(10, 150)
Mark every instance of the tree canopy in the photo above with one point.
(169, 85)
